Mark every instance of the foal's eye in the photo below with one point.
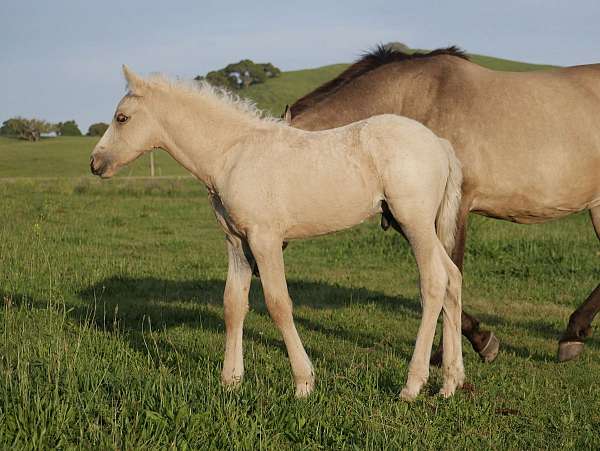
(121, 118)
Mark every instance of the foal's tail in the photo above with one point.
(448, 212)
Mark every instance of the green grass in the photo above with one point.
(112, 331)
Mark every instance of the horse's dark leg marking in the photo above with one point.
(580, 321)
(484, 342)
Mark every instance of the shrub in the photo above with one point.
(68, 128)
(240, 75)
(22, 128)
(97, 129)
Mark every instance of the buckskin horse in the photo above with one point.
(528, 142)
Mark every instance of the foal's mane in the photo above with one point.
(218, 97)
(369, 61)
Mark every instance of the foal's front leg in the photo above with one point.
(235, 303)
(269, 257)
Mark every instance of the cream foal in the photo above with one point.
(270, 183)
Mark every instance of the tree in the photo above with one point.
(241, 74)
(28, 129)
(219, 78)
(68, 128)
(97, 129)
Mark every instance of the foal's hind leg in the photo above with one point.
(433, 282)
(235, 302)
(484, 342)
(454, 373)
(269, 256)
(579, 327)
(433, 277)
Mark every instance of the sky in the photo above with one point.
(61, 60)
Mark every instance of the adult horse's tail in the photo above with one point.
(448, 212)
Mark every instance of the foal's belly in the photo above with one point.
(327, 215)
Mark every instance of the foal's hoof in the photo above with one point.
(569, 350)
(490, 351)
(304, 389)
(447, 391)
(408, 395)
(451, 383)
(231, 379)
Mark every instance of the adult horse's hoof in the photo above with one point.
(490, 351)
(569, 350)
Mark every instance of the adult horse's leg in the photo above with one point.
(579, 327)
(268, 253)
(235, 303)
(484, 342)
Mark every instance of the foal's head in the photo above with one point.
(132, 131)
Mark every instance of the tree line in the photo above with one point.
(235, 76)
(33, 129)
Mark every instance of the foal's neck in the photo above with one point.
(200, 130)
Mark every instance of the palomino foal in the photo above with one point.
(269, 183)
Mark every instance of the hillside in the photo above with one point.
(275, 93)
(69, 156)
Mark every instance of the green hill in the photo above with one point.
(69, 156)
(275, 93)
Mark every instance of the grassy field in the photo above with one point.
(69, 156)
(112, 331)
(112, 334)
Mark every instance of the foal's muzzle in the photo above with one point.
(98, 166)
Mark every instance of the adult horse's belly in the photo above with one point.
(536, 186)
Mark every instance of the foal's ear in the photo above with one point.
(287, 115)
(135, 83)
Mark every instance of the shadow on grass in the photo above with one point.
(170, 303)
